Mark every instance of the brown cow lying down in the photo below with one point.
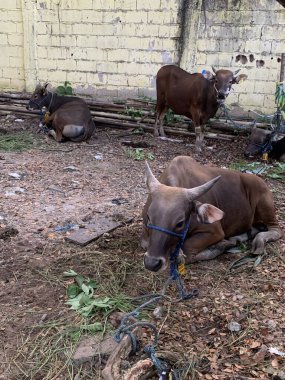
(224, 206)
(197, 96)
(70, 117)
(264, 141)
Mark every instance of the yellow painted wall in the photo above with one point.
(105, 48)
(12, 75)
(114, 48)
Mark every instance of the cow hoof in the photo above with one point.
(198, 148)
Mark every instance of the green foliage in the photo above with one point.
(278, 172)
(81, 298)
(65, 90)
(275, 172)
(280, 98)
(138, 154)
(133, 112)
(171, 118)
(17, 142)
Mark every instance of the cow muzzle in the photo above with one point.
(221, 95)
(248, 154)
(154, 264)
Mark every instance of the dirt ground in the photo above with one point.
(37, 328)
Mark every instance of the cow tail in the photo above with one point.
(89, 128)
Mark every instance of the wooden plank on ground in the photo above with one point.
(93, 231)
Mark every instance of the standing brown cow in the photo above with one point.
(197, 96)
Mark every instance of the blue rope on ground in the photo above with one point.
(127, 328)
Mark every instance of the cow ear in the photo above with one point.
(45, 88)
(208, 75)
(207, 213)
(240, 78)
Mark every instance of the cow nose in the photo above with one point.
(152, 263)
(221, 95)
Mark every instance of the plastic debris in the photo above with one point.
(16, 175)
(119, 201)
(99, 156)
(234, 326)
(70, 169)
(275, 351)
(67, 227)
(14, 191)
(158, 312)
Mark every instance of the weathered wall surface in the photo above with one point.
(103, 47)
(12, 75)
(114, 48)
(249, 35)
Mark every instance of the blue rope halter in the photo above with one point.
(39, 104)
(174, 272)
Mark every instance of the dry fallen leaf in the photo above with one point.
(275, 363)
(255, 344)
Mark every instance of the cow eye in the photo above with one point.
(180, 224)
(36, 96)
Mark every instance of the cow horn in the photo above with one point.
(235, 73)
(151, 181)
(196, 192)
(214, 70)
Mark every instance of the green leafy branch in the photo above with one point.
(138, 154)
(65, 90)
(82, 298)
(280, 98)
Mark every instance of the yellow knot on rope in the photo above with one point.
(182, 269)
(46, 117)
(265, 156)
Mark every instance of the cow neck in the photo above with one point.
(214, 103)
(58, 101)
(50, 101)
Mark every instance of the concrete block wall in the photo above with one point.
(246, 35)
(110, 48)
(114, 48)
(12, 75)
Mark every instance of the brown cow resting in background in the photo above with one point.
(197, 96)
(222, 206)
(264, 141)
(70, 116)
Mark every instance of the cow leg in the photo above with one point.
(159, 118)
(52, 133)
(244, 237)
(265, 213)
(199, 138)
(211, 252)
(196, 248)
(199, 128)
